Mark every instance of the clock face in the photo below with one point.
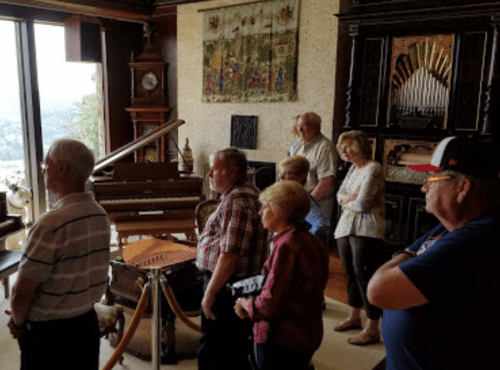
(149, 81)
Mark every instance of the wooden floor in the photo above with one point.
(336, 288)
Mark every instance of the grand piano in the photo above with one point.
(9, 260)
(141, 195)
(146, 197)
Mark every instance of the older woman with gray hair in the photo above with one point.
(287, 315)
(360, 231)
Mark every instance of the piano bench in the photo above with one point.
(9, 263)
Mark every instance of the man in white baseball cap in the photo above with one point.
(438, 293)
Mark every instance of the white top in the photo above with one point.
(320, 152)
(364, 216)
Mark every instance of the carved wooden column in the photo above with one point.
(487, 117)
(354, 33)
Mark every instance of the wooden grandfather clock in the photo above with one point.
(149, 103)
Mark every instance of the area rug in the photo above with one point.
(334, 354)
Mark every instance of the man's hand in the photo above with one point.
(206, 305)
(15, 330)
(323, 186)
(241, 307)
(226, 264)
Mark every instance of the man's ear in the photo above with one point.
(233, 172)
(465, 189)
(63, 167)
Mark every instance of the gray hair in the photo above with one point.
(77, 155)
(234, 157)
(485, 191)
(314, 120)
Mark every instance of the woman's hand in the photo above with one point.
(241, 307)
(349, 198)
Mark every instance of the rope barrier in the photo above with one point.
(134, 323)
(172, 301)
(139, 311)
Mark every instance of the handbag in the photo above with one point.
(247, 287)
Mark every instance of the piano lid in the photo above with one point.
(138, 143)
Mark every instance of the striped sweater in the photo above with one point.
(68, 254)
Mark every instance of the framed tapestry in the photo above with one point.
(421, 68)
(250, 53)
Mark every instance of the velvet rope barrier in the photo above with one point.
(172, 301)
(134, 323)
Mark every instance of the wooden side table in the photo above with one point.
(154, 228)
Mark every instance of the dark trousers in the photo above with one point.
(61, 344)
(227, 342)
(361, 257)
(272, 357)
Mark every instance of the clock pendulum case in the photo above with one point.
(149, 102)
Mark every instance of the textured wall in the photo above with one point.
(208, 125)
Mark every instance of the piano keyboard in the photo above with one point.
(146, 204)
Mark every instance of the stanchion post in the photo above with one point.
(155, 272)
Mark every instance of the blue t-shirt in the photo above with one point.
(318, 223)
(458, 328)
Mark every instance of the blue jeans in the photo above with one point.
(272, 357)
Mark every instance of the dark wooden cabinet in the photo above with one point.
(418, 71)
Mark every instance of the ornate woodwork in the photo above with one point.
(377, 68)
(149, 102)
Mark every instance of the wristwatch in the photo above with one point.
(403, 252)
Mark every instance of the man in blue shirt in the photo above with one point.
(438, 294)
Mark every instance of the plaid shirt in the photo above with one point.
(235, 227)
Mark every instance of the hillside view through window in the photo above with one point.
(70, 99)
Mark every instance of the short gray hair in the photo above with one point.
(234, 157)
(77, 155)
(485, 191)
(314, 120)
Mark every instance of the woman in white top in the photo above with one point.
(360, 231)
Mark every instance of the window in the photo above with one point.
(69, 100)
(11, 139)
(43, 98)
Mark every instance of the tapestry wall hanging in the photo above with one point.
(250, 53)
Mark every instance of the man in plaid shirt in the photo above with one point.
(233, 245)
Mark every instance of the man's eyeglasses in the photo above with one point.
(437, 178)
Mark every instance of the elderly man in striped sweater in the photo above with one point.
(64, 269)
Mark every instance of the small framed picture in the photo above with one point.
(399, 154)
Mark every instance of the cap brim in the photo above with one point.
(424, 167)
